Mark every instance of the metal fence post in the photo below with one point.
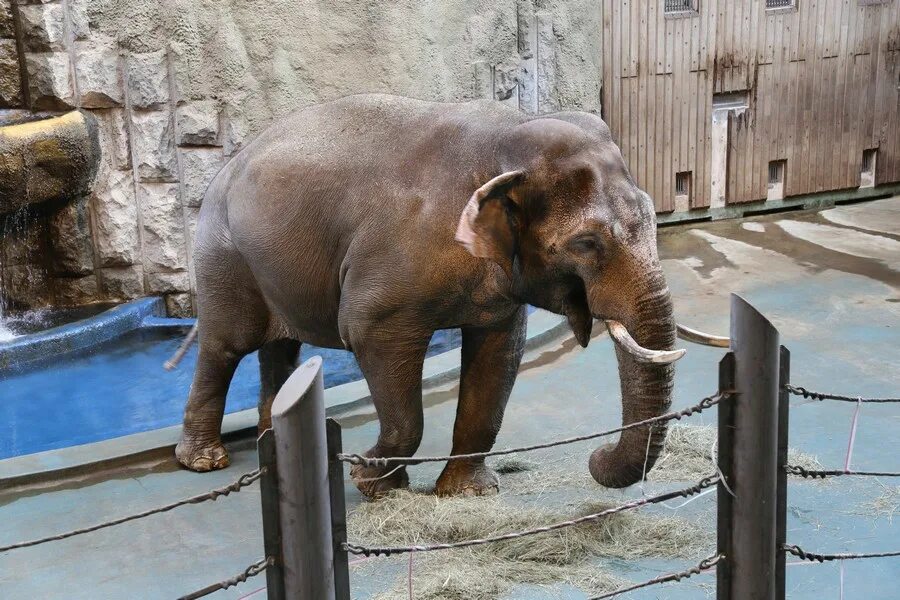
(268, 493)
(338, 510)
(784, 404)
(298, 419)
(752, 552)
(724, 506)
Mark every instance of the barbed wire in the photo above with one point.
(802, 391)
(251, 571)
(704, 565)
(822, 474)
(385, 461)
(813, 557)
(241, 482)
(387, 551)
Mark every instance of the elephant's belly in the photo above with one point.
(306, 316)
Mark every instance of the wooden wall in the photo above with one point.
(822, 82)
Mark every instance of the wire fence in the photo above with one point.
(275, 500)
(822, 474)
(705, 565)
(251, 571)
(210, 496)
(368, 461)
(798, 470)
(802, 391)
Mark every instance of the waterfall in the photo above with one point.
(14, 248)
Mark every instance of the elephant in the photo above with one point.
(369, 222)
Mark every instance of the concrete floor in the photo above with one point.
(830, 281)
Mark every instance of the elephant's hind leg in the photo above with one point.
(277, 360)
(200, 447)
(490, 361)
(234, 321)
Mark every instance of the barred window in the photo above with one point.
(683, 184)
(780, 3)
(776, 171)
(676, 6)
(868, 160)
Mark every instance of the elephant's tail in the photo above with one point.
(182, 349)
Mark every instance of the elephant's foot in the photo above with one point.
(201, 456)
(373, 482)
(462, 478)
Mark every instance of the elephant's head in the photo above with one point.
(574, 235)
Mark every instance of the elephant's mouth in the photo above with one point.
(580, 317)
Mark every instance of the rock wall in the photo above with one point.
(178, 86)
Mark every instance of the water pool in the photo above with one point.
(119, 387)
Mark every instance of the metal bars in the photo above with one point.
(675, 6)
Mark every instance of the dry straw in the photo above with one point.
(534, 494)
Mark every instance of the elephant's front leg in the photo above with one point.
(490, 361)
(391, 361)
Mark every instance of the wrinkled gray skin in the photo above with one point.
(337, 227)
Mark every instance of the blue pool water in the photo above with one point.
(119, 387)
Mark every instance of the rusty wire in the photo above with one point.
(385, 461)
(241, 482)
(704, 565)
(251, 571)
(387, 551)
(822, 474)
(813, 557)
(802, 391)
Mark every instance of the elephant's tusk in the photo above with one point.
(618, 332)
(698, 337)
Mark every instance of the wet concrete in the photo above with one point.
(837, 311)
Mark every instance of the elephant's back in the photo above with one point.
(367, 159)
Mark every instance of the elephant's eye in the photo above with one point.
(585, 244)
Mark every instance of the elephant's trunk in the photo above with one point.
(646, 391)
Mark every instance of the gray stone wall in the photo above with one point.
(179, 86)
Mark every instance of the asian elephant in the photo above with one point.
(369, 222)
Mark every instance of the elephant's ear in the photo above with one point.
(487, 225)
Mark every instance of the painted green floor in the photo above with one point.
(830, 282)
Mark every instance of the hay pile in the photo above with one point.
(530, 496)
(485, 572)
(884, 505)
(690, 451)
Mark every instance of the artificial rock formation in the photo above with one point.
(48, 159)
(178, 87)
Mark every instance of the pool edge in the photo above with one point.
(352, 398)
(30, 350)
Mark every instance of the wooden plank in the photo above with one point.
(616, 78)
(651, 101)
(661, 122)
(756, 43)
(682, 81)
(817, 140)
(791, 141)
(635, 36)
(624, 46)
(807, 112)
(667, 200)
